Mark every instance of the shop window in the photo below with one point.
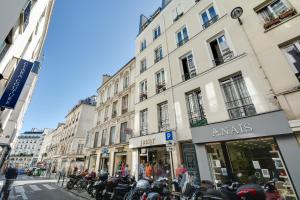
(195, 108)
(238, 101)
(292, 52)
(163, 117)
(220, 50)
(250, 160)
(112, 135)
(275, 12)
(188, 66)
(123, 135)
(144, 122)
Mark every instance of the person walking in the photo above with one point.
(11, 174)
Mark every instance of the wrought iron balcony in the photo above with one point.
(183, 41)
(229, 55)
(160, 87)
(240, 108)
(143, 96)
(114, 114)
(210, 22)
(157, 59)
(189, 75)
(124, 110)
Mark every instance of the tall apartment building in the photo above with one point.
(24, 25)
(67, 144)
(227, 88)
(27, 147)
(107, 142)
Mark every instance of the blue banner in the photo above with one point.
(36, 67)
(15, 86)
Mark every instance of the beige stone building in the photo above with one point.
(68, 139)
(227, 88)
(107, 142)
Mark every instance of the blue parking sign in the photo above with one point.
(169, 136)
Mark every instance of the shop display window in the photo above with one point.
(255, 160)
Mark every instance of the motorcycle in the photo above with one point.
(138, 189)
(159, 190)
(75, 181)
(99, 186)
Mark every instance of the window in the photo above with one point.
(126, 81)
(177, 13)
(160, 81)
(275, 12)
(143, 90)
(156, 33)
(188, 66)
(80, 149)
(125, 104)
(108, 93)
(163, 117)
(238, 100)
(144, 122)
(114, 109)
(123, 135)
(143, 65)
(25, 16)
(96, 140)
(220, 50)
(106, 113)
(209, 17)
(103, 139)
(143, 45)
(116, 88)
(195, 108)
(112, 135)
(292, 53)
(158, 54)
(182, 36)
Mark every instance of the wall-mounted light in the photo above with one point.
(236, 13)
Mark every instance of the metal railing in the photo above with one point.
(160, 87)
(210, 22)
(114, 114)
(157, 59)
(143, 96)
(124, 110)
(183, 41)
(189, 75)
(144, 130)
(225, 58)
(240, 108)
(164, 125)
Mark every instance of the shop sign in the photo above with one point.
(147, 140)
(262, 125)
(242, 128)
(105, 150)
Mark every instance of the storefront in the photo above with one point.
(104, 160)
(150, 150)
(259, 148)
(92, 162)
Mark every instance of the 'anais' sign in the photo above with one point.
(242, 128)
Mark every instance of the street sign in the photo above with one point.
(169, 136)
(170, 143)
(170, 148)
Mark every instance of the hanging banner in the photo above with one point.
(16, 84)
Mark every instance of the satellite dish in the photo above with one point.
(236, 12)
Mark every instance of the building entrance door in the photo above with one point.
(190, 159)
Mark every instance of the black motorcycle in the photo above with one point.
(99, 186)
(75, 181)
(159, 190)
(138, 189)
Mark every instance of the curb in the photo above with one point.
(76, 193)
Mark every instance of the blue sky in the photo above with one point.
(85, 40)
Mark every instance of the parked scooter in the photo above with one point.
(99, 186)
(74, 182)
(137, 191)
(271, 191)
(159, 190)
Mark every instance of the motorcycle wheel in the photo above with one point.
(99, 195)
(70, 185)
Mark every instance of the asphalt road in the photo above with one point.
(30, 188)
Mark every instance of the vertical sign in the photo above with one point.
(16, 84)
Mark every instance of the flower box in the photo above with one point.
(271, 23)
(288, 13)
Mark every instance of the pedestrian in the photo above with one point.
(149, 170)
(180, 170)
(11, 173)
(126, 170)
(142, 170)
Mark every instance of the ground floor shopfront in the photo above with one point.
(68, 164)
(150, 150)
(260, 148)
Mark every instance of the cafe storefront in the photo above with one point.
(260, 148)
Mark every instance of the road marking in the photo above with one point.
(49, 187)
(35, 187)
(24, 197)
(19, 189)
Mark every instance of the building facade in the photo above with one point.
(216, 83)
(27, 147)
(107, 143)
(24, 25)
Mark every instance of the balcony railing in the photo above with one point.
(143, 96)
(189, 75)
(282, 17)
(114, 114)
(144, 130)
(198, 121)
(105, 119)
(210, 22)
(229, 55)
(157, 59)
(164, 125)
(124, 110)
(183, 41)
(160, 87)
(240, 108)
(143, 69)
(178, 17)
